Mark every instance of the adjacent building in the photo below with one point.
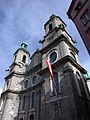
(79, 13)
(30, 93)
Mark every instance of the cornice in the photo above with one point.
(63, 61)
(22, 91)
(14, 73)
(56, 41)
(9, 91)
(25, 50)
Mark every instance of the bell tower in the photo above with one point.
(13, 81)
(69, 91)
(58, 40)
(53, 22)
(21, 58)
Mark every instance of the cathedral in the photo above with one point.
(53, 86)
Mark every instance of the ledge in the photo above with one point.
(14, 72)
(62, 61)
(56, 98)
(56, 41)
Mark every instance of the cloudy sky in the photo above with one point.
(23, 20)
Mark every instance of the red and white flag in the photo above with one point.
(52, 75)
(50, 69)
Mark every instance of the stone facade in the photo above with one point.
(31, 94)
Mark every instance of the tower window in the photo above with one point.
(80, 84)
(24, 59)
(31, 117)
(21, 118)
(53, 57)
(34, 80)
(56, 80)
(50, 27)
(33, 100)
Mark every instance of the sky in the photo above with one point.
(23, 20)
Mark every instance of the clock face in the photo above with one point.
(51, 36)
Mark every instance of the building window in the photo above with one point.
(56, 85)
(34, 80)
(53, 57)
(21, 118)
(82, 90)
(73, 56)
(24, 59)
(50, 27)
(33, 100)
(25, 83)
(86, 17)
(78, 7)
(31, 117)
(56, 109)
(23, 103)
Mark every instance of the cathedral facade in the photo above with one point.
(30, 93)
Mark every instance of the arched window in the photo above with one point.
(56, 80)
(80, 84)
(56, 110)
(33, 100)
(23, 103)
(50, 27)
(53, 57)
(34, 80)
(21, 118)
(25, 83)
(31, 117)
(24, 59)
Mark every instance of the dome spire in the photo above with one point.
(24, 45)
(53, 15)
